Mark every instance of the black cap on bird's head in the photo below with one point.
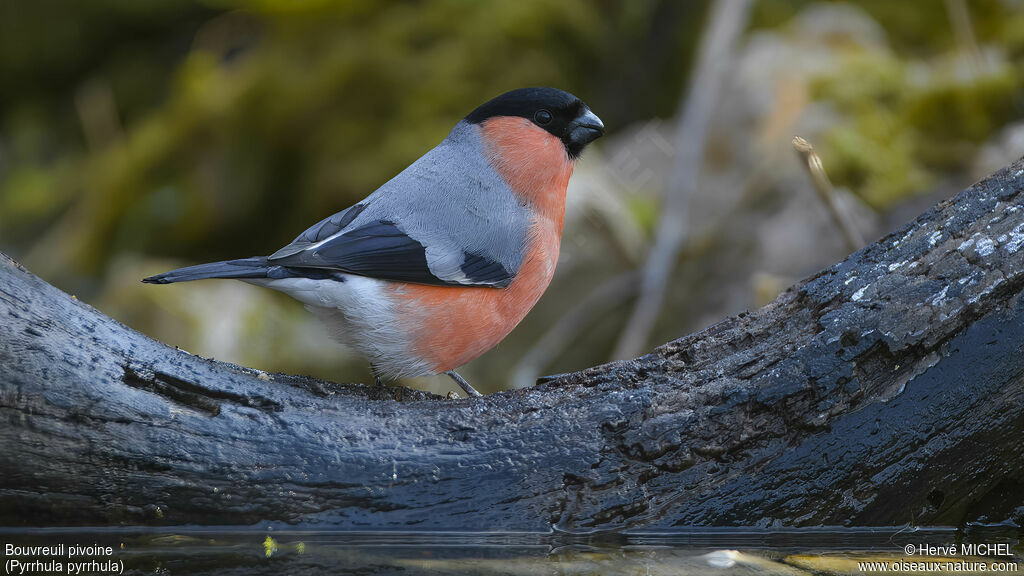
(559, 113)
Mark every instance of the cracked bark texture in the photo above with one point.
(886, 390)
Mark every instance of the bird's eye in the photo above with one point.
(542, 117)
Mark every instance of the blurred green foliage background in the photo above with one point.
(140, 136)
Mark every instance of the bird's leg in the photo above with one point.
(462, 382)
(376, 379)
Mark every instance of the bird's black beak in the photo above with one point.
(583, 130)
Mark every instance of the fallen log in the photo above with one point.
(886, 390)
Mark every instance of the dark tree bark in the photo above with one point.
(885, 390)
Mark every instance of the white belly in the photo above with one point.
(360, 313)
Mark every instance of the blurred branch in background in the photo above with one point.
(97, 111)
(728, 20)
(594, 305)
(827, 194)
(960, 18)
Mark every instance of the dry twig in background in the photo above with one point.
(826, 193)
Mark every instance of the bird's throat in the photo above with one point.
(533, 163)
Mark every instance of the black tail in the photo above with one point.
(255, 267)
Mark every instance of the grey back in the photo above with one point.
(448, 218)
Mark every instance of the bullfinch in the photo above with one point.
(439, 264)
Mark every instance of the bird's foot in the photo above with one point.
(462, 382)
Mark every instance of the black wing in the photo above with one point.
(482, 270)
(320, 231)
(381, 250)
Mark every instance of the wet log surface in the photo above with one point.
(886, 390)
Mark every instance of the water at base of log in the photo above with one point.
(714, 551)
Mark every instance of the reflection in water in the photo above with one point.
(693, 551)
